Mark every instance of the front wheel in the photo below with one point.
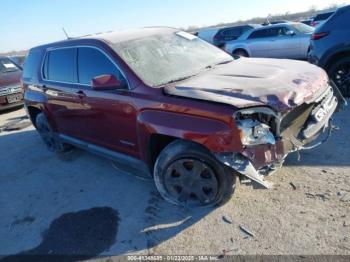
(340, 74)
(187, 174)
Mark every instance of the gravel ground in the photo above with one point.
(79, 204)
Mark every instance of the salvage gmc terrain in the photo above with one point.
(163, 103)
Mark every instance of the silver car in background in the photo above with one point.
(286, 40)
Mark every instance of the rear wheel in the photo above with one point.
(240, 52)
(187, 174)
(340, 74)
(51, 140)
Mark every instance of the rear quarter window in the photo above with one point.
(258, 34)
(31, 65)
(60, 65)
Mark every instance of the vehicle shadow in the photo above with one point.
(79, 206)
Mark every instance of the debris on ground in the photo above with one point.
(293, 186)
(245, 230)
(345, 198)
(226, 220)
(323, 196)
(225, 253)
(15, 125)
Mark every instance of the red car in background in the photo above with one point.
(11, 94)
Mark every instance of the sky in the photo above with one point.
(27, 23)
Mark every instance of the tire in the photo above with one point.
(50, 138)
(340, 74)
(240, 52)
(210, 184)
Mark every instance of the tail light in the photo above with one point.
(317, 36)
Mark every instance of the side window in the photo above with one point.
(276, 31)
(31, 64)
(245, 29)
(92, 63)
(60, 65)
(231, 32)
(258, 34)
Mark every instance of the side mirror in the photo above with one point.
(290, 33)
(105, 82)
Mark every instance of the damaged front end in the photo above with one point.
(267, 137)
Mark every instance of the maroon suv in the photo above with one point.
(163, 103)
(11, 94)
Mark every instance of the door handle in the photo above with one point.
(81, 94)
(44, 88)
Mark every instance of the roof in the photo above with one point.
(116, 36)
(131, 34)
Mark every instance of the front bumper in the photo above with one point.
(256, 162)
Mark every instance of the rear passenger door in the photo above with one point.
(257, 43)
(283, 45)
(59, 83)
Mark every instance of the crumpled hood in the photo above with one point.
(279, 83)
(10, 78)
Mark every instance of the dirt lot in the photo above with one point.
(80, 204)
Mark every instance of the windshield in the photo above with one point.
(166, 58)
(304, 29)
(6, 65)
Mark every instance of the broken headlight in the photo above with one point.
(254, 132)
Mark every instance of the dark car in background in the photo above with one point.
(321, 18)
(307, 21)
(11, 94)
(18, 59)
(231, 33)
(330, 48)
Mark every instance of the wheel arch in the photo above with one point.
(241, 49)
(336, 56)
(155, 132)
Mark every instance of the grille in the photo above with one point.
(8, 90)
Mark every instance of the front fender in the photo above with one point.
(215, 135)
